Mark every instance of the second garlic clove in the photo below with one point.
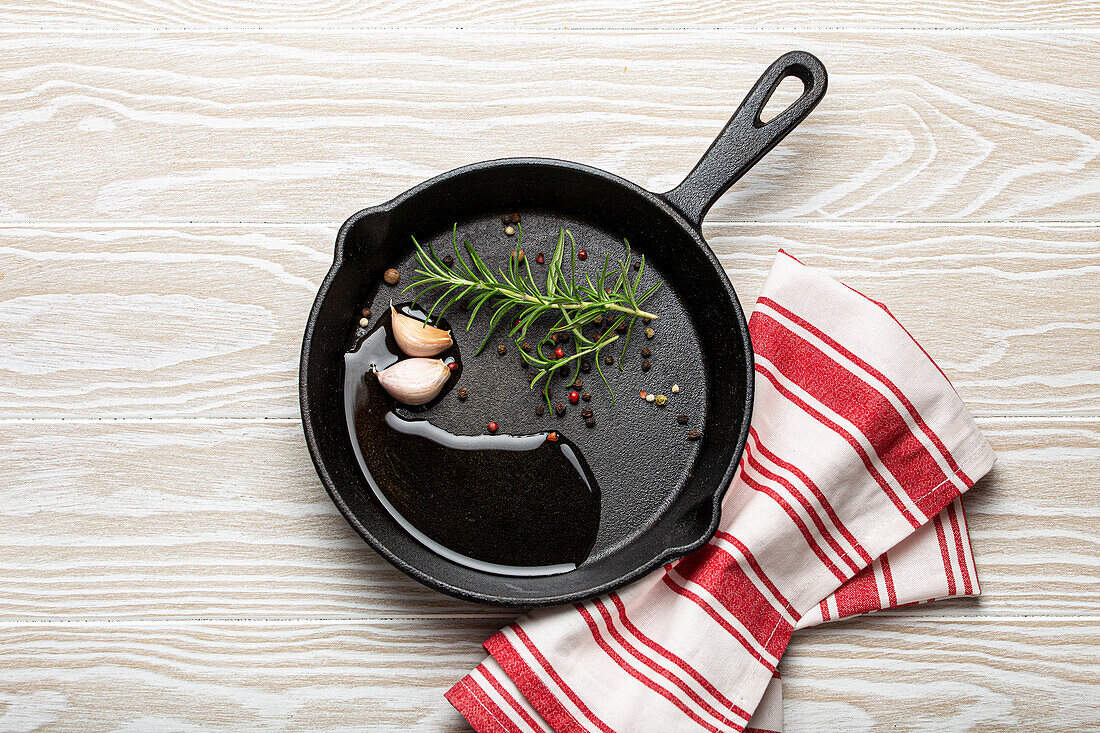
(415, 381)
(416, 338)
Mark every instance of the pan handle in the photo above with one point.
(746, 139)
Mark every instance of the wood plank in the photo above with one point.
(556, 14)
(174, 319)
(265, 675)
(312, 126)
(866, 675)
(876, 674)
(226, 519)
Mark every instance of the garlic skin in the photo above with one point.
(415, 381)
(415, 338)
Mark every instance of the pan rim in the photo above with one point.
(316, 454)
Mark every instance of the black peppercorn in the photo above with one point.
(590, 422)
(463, 393)
(609, 360)
(586, 412)
(586, 396)
(682, 419)
(646, 352)
(526, 346)
(559, 408)
(502, 349)
(539, 409)
(448, 260)
(586, 366)
(694, 435)
(366, 313)
(621, 328)
(577, 383)
(514, 218)
(598, 320)
(646, 321)
(506, 219)
(637, 266)
(645, 365)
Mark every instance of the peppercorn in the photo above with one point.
(492, 427)
(609, 360)
(540, 259)
(549, 392)
(650, 397)
(448, 260)
(661, 400)
(506, 219)
(643, 394)
(646, 320)
(675, 389)
(559, 408)
(559, 352)
(637, 266)
(621, 328)
(364, 322)
(574, 397)
(590, 422)
(586, 396)
(649, 332)
(586, 366)
(539, 409)
(645, 365)
(694, 435)
(577, 383)
(463, 393)
(582, 255)
(553, 437)
(502, 349)
(586, 412)
(598, 320)
(646, 352)
(563, 338)
(517, 255)
(682, 419)
(597, 336)
(464, 305)
(391, 276)
(453, 366)
(366, 313)
(514, 218)
(509, 230)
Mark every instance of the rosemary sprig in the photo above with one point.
(515, 291)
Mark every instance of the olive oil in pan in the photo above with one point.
(509, 504)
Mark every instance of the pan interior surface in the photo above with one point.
(658, 488)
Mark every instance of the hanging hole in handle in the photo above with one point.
(783, 96)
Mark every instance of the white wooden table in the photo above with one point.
(172, 178)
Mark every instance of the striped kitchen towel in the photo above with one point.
(846, 500)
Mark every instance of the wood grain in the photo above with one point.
(171, 320)
(553, 15)
(226, 519)
(294, 127)
(871, 674)
(893, 674)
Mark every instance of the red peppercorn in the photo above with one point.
(559, 352)
(574, 397)
(453, 366)
(540, 259)
(582, 255)
(493, 427)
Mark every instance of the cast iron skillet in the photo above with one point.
(661, 493)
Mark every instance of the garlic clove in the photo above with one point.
(416, 338)
(415, 381)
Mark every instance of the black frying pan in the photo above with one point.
(661, 493)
